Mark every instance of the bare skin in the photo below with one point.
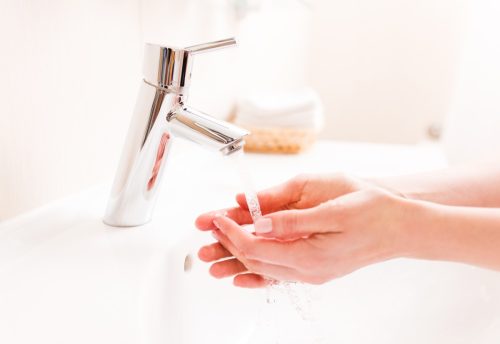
(317, 228)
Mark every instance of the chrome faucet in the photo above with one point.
(161, 114)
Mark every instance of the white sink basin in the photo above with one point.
(65, 277)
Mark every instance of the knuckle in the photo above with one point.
(299, 180)
(377, 195)
(348, 182)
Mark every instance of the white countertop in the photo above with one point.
(67, 278)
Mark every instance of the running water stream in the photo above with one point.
(297, 295)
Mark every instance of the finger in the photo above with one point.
(227, 268)
(250, 280)
(244, 244)
(276, 272)
(205, 221)
(299, 223)
(213, 252)
(277, 197)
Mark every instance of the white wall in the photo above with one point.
(69, 72)
(385, 69)
(473, 124)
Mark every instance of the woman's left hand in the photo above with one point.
(317, 244)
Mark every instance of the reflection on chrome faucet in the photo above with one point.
(161, 114)
(159, 159)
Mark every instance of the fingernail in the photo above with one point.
(263, 225)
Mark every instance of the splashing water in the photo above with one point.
(297, 294)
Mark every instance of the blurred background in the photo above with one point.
(386, 71)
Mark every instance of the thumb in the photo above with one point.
(298, 223)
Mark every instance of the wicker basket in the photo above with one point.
(279, 140)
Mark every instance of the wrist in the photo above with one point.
(416, 237)
(450, 233)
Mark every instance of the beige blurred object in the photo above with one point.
(280, 122)
(279, 140)
(273, 52)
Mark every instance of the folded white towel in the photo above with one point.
(297, 109)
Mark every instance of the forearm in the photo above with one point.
(461, 234)
(475, 186)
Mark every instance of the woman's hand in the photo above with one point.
(315, 229)
(301, 192)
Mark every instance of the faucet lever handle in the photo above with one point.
(212, 46)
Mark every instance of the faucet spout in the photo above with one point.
(203, 129)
